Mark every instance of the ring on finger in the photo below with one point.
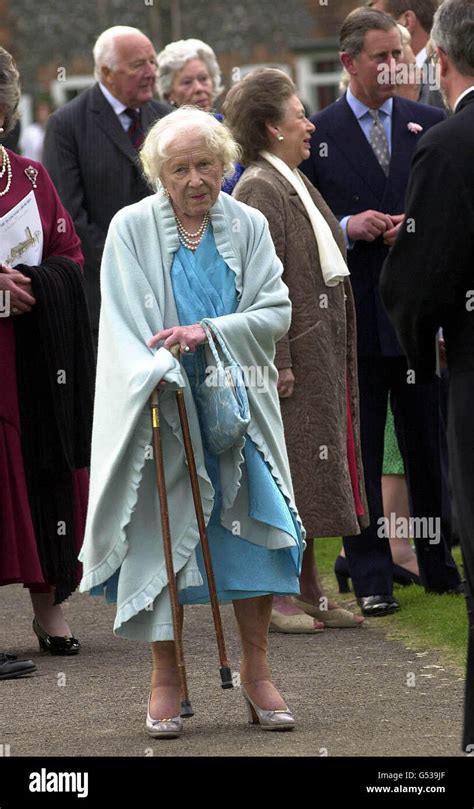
(15, 311)
(186, 349)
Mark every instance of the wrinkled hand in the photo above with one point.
(286, 383)
(391, 234)
(368, 225)
(191, 336)
(19, 287)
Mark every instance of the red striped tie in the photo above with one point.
(135, 130)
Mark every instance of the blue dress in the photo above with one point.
(204, 286)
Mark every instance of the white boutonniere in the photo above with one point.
(416, 128)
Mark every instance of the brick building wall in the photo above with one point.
(47, 35)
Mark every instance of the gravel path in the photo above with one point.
(354, 693)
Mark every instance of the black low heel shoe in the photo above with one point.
(55, 645)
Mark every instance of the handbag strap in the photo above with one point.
(211, 339)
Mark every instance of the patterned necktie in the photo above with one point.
(135, 130)
(378, 141)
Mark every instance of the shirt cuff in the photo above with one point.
(343, 223)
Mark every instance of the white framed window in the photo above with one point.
(62, 91)
(317, 77)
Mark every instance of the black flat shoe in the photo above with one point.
(378, 605)
(55, 645)
(11, 668)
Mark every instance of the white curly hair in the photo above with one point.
(187, 119)
(176, 55)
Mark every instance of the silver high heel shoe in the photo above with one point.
(163, 728)
(268, 720)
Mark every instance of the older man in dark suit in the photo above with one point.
(91, 144)
(428, 279)
(360, 158)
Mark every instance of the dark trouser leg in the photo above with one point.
(417, 423)
(449, 512)
(368, 554)
(461, 465)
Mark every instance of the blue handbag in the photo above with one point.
(221, 397)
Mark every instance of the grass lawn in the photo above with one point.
(425, 621)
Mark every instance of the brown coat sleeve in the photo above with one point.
(260, 194)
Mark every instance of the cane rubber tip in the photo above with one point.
(186, 710)
(226, 677)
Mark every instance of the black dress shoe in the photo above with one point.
(11, 668)
(454, 590)
(55, 645)
(373, 606)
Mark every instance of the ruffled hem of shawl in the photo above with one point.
(105, 569)
(228, 497)
(143, 600)
(181, 553)
(258, 439)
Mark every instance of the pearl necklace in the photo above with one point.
(192, 240)
(6, 167)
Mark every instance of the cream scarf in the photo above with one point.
(333, 266)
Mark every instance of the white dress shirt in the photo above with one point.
(421, 57)
(118, 107)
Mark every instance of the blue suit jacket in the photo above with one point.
(345, 170)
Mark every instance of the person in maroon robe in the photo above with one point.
(34, 226)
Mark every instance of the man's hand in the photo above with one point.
(391, 234)
(286, 383)
(368, 225)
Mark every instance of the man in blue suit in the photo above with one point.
(360, 160)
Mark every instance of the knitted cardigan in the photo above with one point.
(137, 302)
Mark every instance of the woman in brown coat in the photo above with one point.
(317, 359)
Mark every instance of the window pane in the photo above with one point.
(326, 66)
(326, 95)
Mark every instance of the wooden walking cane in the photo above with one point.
(225, 671)
(186, 709)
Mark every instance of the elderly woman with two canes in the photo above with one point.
(192, 268)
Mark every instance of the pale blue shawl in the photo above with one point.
(137, 302)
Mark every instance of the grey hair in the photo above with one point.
(357, 24)
(154, 152)
(105, 48)
(453, 32)
(176, 55)
(9, 90)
